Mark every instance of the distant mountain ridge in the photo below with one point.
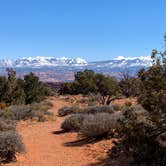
(51, 69)
(43, 62)
(76, 62)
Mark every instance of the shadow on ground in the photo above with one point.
(58, 132)
(84, 141)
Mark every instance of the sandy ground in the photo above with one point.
(43, 148)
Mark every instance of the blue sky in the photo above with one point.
(91, 29)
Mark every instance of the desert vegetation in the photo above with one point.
(16, 91)
(20, 99)
(11, 141)
(87, 82)
(140, 130)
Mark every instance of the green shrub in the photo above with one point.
(34, 89)
(16, 91)
(73, 123)
(139, 142)
(129, 85)
(88, 81)
(68, 110)
(100, 124)
(10, 144)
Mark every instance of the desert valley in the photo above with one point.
(82, 83)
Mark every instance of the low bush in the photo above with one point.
(140, 142)
(20, 112)
(43, 106)
(84, 100)
(88, 110)
(10, 144)
(38, 111)
(68, 110)
(7, 125)
(6, 114)
(92, 99)
(47, 103)
(73, 122)
(98, 109)
(10, 140)
(137, 109)
(99, 124)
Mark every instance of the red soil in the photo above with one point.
(43, 148)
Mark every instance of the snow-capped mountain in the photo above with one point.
(6, 63)
(125, 62)
(63, 69)
(48, 62)
(40, 62)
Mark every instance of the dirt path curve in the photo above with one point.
(45, 148)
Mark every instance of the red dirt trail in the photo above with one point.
(43, 148)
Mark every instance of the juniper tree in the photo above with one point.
(34, 89)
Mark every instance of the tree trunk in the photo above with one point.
(106, 100)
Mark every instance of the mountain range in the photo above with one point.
(63, 69)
